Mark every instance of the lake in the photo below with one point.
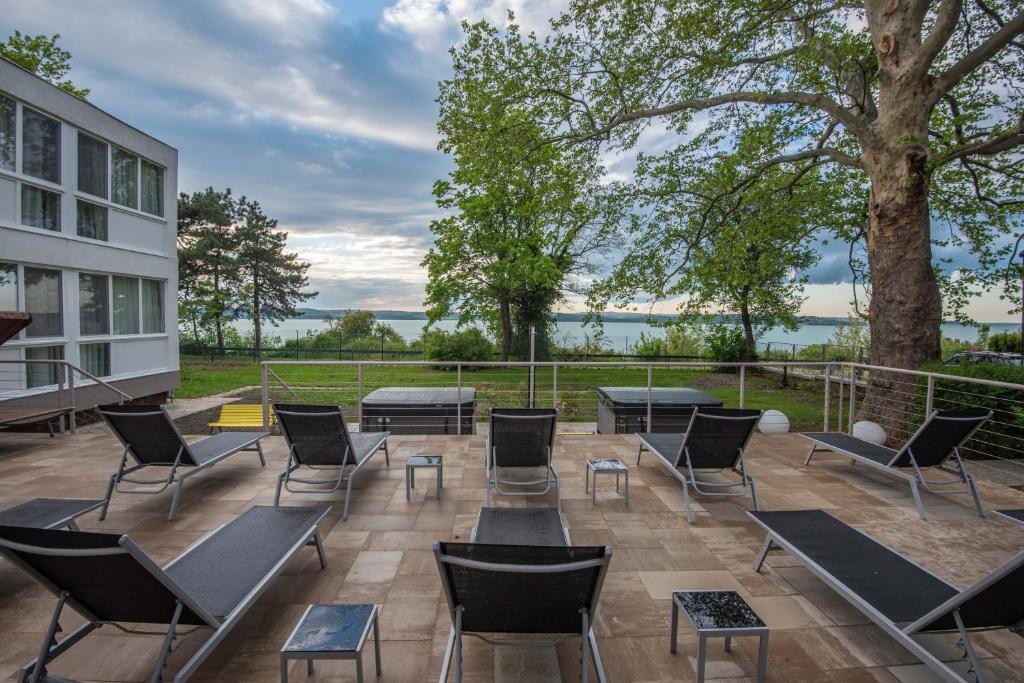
(619, 335)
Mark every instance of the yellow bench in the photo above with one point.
(246, 415)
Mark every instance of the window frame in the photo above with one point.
(20, 148)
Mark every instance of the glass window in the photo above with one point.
(8, 287)
(92, 221)
(43, 301)
(7, 122)
(126, 305)
(40, 146)
(152, 306)
(40, 208)
(124, 178)
(93, 304)
(95, 358)
(43, 374)
(152, 188)
(92, 165)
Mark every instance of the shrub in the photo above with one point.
(684, 340)
(725, 343)
(467, 345)
(649, 346)
(1006, 342)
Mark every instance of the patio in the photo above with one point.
(382, 554)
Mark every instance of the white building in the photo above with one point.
(87, 242)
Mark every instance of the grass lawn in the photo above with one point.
(574, 387)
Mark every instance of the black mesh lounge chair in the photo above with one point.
(714, 441)
(902, 598)
(149, 435)
(1015, 516)
(517, 589)
(521, 438)
(108, 579)
(933, 445)
(318, 439)
(520, 526)
(48, 513)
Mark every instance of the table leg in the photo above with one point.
(440, 478)
(586, 482)
(702, 650)
(762, 660)
(728, 643)
(616, 482)
(438, 482)
(593, 490)
(284, 669)
(359, 667)
(309, 666)
(376, 642)
(673, 632)
(627, 487)
(413, 477)
(407, 495)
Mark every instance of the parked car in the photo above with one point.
(971, 357)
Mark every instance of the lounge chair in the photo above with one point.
(48, 513)
(108, 579)
(521, 438)
(714, 441)
(520, 526)
(1015, 516)
(937, 441)
(149, 435)
(521, 589)
(902, 598)
(318, 438)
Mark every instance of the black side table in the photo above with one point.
(332, 632)
(719, 614)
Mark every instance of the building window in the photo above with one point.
(92, 220)
(152, 307)
(126, 305)
(93, 304)
(8, 111)
(95, 359)
(92, 166)
(43, 374)
(40, 208)
(8, 287)
(152, 188)
(40, 146)
(124, 179)
(43, 301)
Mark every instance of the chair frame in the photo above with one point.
(904, 635)
(173, 476)
(565, 530)
(50, 648)
(589, 651)
(916, 479)
(689, 476)
(491, 467)
(316, 485)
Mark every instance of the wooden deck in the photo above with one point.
(382, 554)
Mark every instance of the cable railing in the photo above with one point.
(31, 389)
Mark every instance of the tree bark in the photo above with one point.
(505, 313)
(749, 350)
(256, 327)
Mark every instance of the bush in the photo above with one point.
(468, 345)
(684, 340)
(1005, 342)
(649, 346)
(725, 343)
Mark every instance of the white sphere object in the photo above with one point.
(773, 422)
(871, 432)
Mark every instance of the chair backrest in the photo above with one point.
(717, 436)
(106, 576)
(316, 434)
(521, 589)
(522, 437)
(992, 602)
(941, 433)
(148, 433)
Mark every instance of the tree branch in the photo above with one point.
(979, 55)
(994, 145)
(945, 23)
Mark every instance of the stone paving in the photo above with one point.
(382, 554)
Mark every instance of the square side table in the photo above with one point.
(719, 614)
(426, 461)
(596, 466)
(332, 632)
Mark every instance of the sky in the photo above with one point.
(322, 111)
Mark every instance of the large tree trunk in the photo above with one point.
(218, 318)
(505, 313)
(256, 327)
(749, 349)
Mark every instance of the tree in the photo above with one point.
(208, 275)
(525, 216)
(41, 55)
(920, 97)
(273, 279)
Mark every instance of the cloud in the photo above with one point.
(434, 24)
(311, 168)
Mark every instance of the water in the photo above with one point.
(619, 335)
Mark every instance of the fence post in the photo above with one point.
(533, 366)
(743, 384)
(929, 404)
(359, 393)
(842, 387)
(265, 395)
(71, 394)
(554, 386)
(60, 395)
(650, 396)
(828, 395)
(458, 400)
(853, 398)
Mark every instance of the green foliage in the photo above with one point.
(41, 55)
(852, 338)
(469, 344)
(354, 330)
(684, 340)
(1006, 342)
(951, 346)
(725, 343)
(649, 346)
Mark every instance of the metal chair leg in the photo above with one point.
(176, 498)
(917, 500)
(348, 498)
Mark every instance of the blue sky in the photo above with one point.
(322, 111)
